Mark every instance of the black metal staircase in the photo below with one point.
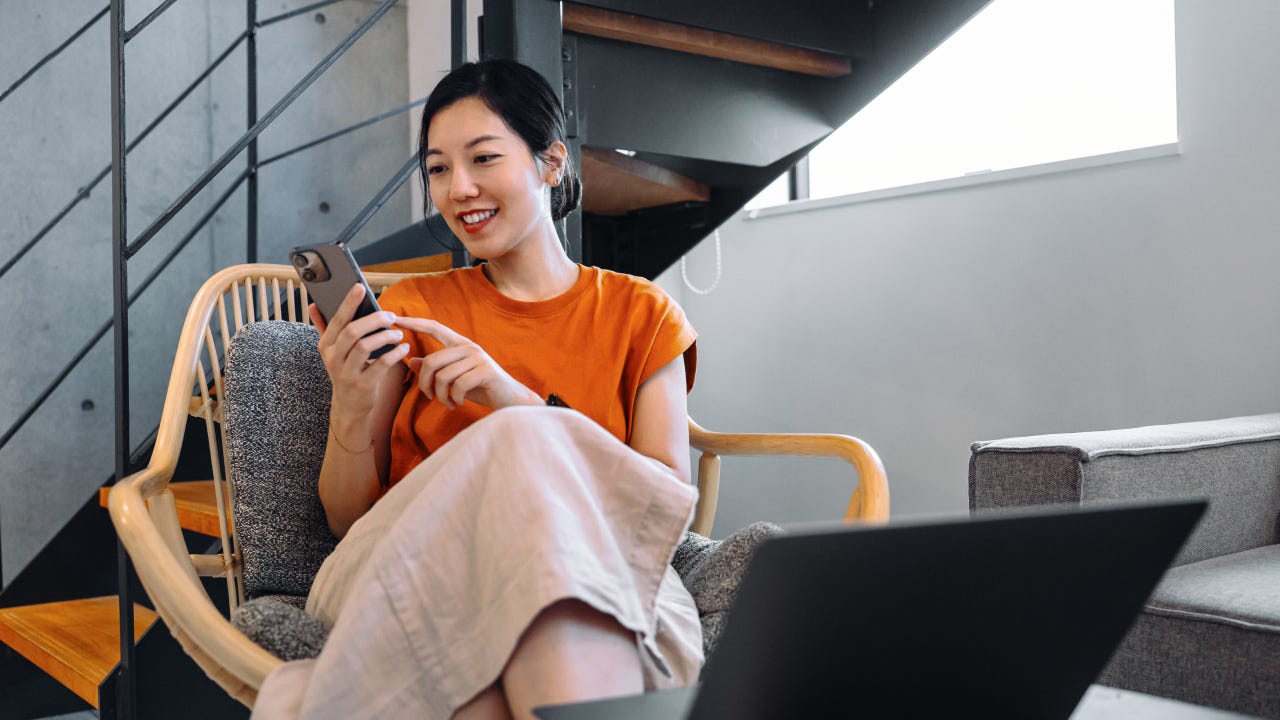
(678, 114)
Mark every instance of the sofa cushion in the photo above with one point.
(1241, 590)
(1209, 635)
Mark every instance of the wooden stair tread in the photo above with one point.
(613, 25)
(77, 642)
(197, 506)
(615, 184)
(426, 264)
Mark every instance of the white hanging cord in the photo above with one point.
(684, 270)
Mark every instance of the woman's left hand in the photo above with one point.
(463, 371)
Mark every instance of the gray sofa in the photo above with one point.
(1210, 633)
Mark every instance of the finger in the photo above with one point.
(436, 362)
(316, 318)
(389, 358)
(447, 376)
(357, 358)
(440, 332)
(440, 358)
(347, 309)
(465, 383)
(372, 322)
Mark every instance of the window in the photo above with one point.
(1025, 82)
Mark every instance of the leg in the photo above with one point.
(571, 652)
(488, 705)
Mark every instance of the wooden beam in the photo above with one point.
(615, 184)
(587, 20)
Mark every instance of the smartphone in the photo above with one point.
(328, 271)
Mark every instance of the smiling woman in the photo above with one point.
(498, 554)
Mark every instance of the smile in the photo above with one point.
(474, 222)
(478, 217)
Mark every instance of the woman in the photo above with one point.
(498, 554)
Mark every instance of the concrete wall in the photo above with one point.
(1125, 295)
(57, 136)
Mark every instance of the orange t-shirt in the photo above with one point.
(592, 346)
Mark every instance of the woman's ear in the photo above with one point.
(554, 160)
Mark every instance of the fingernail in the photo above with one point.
(397, 334)
(389, 316)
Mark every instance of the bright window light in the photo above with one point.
(1025, 82)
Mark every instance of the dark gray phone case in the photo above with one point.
(332, 278)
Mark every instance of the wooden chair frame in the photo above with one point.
(143, 510)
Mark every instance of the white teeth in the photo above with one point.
(476, 217)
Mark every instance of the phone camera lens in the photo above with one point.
(300, 260)
(309, 275)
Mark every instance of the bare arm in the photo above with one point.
(660, 428)
(366, 394)
(350, 481)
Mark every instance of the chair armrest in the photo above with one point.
(869, 501)
(226, 655)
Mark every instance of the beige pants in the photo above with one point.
(431, 590)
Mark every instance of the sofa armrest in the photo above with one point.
(1234, 462)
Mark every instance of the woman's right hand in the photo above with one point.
(346, 351)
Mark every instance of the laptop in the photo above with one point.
(1008, 614)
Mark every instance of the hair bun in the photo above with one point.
(566, 196)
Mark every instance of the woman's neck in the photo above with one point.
(533, 271)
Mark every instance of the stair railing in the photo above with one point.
(123, 249)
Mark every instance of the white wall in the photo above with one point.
(1125, 295)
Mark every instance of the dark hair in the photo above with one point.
(525, 102)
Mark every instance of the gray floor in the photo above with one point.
(84, 715)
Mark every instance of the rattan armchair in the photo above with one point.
(143, 510)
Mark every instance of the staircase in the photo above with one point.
(678, 114)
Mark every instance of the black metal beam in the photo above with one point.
(251, 111)
(379, 200)
(343, 131)
(293, 94)
(65, 44)
(142, 25)
(457, 33)
(126, 696)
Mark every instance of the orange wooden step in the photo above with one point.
(76, 641)
(197, 507)
(586, 20)
(615, 184)
(429, 263)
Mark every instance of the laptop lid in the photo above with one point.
(1010, 614)
(1003, 615)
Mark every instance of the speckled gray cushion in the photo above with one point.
(712, 571)
(278, 624)
(276, 421)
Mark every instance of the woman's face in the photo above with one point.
(484, 181)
